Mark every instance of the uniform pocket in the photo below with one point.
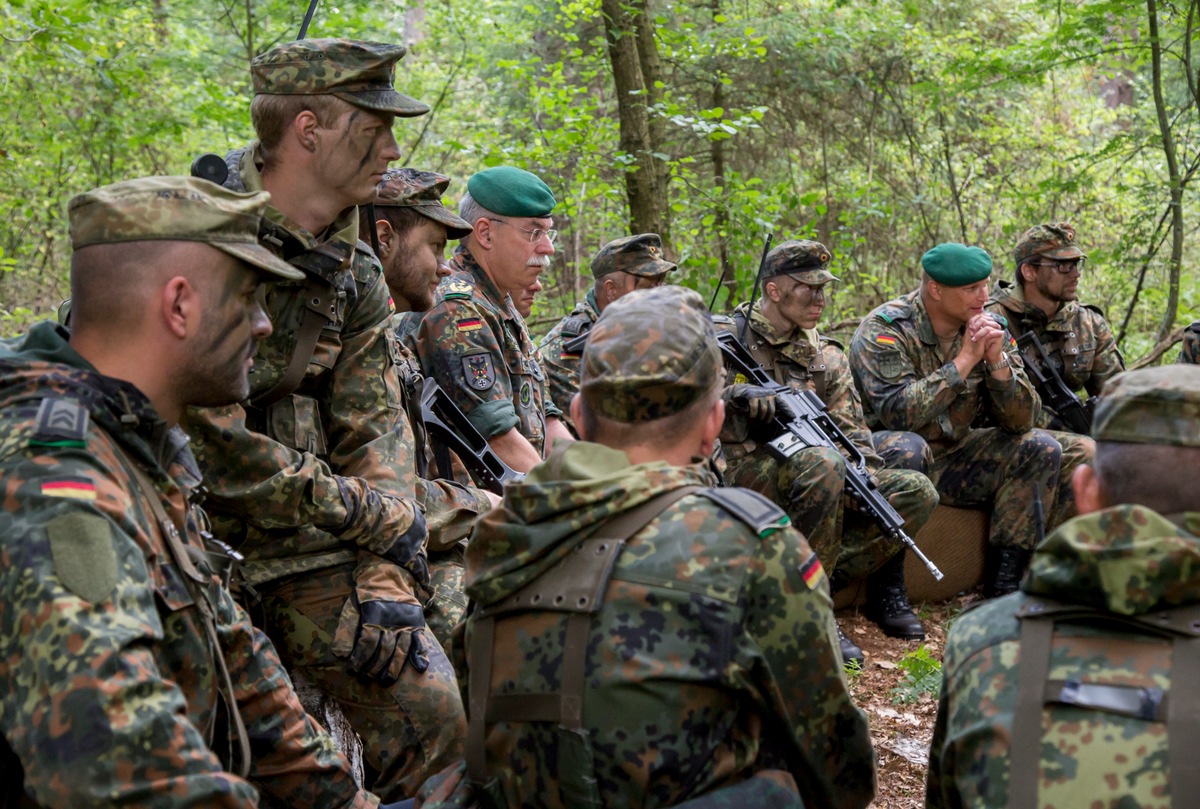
(295, 421)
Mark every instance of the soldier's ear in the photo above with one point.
(304, 130)
(383, 229)
(771, 290)
(178, 304)
(1089, 494)
(576, 408)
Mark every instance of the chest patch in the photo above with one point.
(479, 371)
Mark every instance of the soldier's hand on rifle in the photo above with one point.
(382, 625)
(754, 400)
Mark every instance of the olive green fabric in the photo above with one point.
(510, 191)
(957, 265)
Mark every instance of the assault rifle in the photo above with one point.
(444, 420)
(805, 422)
(1073, 413)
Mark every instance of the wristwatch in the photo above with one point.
(992, 367)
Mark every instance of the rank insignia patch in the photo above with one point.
(479, 371)
(458, 288)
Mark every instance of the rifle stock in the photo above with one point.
(444, 420)
(810, 425)
(1053, 390)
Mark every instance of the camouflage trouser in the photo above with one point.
(810, 486)
(903, 450)
(447, 607)
(1076, 450)
(410, 730)
(1011, 473)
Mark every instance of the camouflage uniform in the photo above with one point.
(908, 384)
(1189, 352)
(562, 366)
(317, 488)
(1121, 563)
(1077, 340)
(125, 660)
(810, 485)
(479, 350)
(725, 663)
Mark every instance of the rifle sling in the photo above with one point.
(320, 302)
(575, 585)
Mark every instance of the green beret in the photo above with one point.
(1150, 406)
(652, 353)
(176, 209)
(957, 265)
(510, 191)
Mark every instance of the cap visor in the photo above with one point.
(652, 269)
(262, 258)
(385, 101)
(456, 226)
(1065, 252)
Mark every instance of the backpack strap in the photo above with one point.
(1181, 710)
(320, 308)
(575, 585)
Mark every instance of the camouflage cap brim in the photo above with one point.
(652, 269)
(384, 101)
(456, 226)
(813, 276)
(262, 258)
(1071, 251)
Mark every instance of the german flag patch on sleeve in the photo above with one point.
(73, 488)
(811, 571)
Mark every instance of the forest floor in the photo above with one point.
(898, 688)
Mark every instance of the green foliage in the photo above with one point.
(922, 676)
(853, 669)
(879, 128)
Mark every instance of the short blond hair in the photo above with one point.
(273, 114)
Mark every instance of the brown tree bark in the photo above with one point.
(1173, 173)
(646, 201)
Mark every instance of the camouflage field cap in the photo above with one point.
(651, 354)
(1055, 241)
(359, 73)
(637, 255)
(1151, 406)
(422, 191)
(807, 261)
(176, 209)
(510, 191)
(957, 265)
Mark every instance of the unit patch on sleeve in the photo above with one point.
(479, 371)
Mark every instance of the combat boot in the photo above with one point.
(1006, 566)
(887, 602)
(851, 654)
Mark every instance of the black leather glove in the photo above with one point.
(408, 550)
(755, 401)
(382, 626)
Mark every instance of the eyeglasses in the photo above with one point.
(535, 234)
(1063, 267)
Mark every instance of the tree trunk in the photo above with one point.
(1168, 146)
(645, 204)
(656, 126)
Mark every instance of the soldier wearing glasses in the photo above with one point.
(473, 342)
(1044, 299)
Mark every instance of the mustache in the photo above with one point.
(538, 261)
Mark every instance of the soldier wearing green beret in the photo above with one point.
(701, 619)
(123, 650)
(781, 334)
(312, 478)
(1070, 692)
(1044, 300)
(1190, 351)
(933, 362)
(620, 267)
(473, 341)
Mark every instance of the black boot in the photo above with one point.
(850, 651)
(1006, 566)
(887, 602)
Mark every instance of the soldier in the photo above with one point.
(780, 332)
(1190, 351)
(620, 267)
(1044, 301)
(472, 341)
(412, 228)
(523, 302)
(932, 361)
(313, 478)
(701, 619)
(1058, 695)
(129, 675)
